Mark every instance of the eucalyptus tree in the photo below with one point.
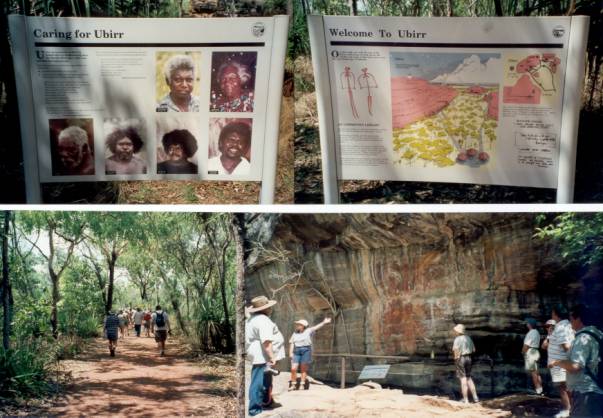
(108, 236)
(5, 289)
(63, 231)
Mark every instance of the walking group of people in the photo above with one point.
(117, 325)
(573, 347)
(265, 346)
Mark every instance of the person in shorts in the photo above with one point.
(147, 322)
(111, 331)
(300, 351)
(463, 348)
(558, 348)
(160, 326)
(531, 353)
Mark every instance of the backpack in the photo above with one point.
(160, 319)
(598, 378)
(147, 316)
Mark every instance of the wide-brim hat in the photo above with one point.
(551, 322)
(459, 328)
(260, 303)
(302, 322)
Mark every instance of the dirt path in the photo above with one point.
(137, 382)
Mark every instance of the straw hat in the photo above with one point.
(302, 322)
(459, 328)
(260, 303)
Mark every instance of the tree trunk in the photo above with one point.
(498, 8)
(109, 299)
(239, 232)
(54, 279)
(227, 327)
(176, 305)
(449, 8)
(6, 289)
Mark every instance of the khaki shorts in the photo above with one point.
(531, 357)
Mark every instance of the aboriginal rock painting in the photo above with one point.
(444, 108)
(365, 82)
(530, 78)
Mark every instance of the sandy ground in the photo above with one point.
(370, 400)
(137, 383)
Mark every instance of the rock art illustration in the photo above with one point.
(367, 81)
(348, 83)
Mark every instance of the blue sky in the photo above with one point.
(429, 65)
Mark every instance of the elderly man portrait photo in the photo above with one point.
(233, 81)
(124, 144)
(178, 145)
(234, 144)
(179, 76)
(73, 151)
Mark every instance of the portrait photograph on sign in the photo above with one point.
(177, 81)
(233, 81)
(177, 144)
(126, 144)
(229, 146)
(72, 146)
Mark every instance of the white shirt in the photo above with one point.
(138, 317)
(259, 329)
(532, 339)
(215, 165)
(464, 345)
(562, 334)
(302, 339)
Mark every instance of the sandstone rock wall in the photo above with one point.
(397, 283)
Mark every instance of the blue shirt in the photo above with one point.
(585, 352)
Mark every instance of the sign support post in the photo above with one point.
(275, 95)
(572, 101)
(326, 126)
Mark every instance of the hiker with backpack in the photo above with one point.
(111, 331)
(147, 322)
(160, 326)
(584, 374)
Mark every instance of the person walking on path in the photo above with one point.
(160, 326)
(122, 323)
(300, 351)
(265, 345)
(583, 374)
(463, 348)
(560, 342)
(111, 331)
(531, 353)
(147, 322)
(138, 317)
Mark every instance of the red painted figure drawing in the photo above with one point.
(348, 82)
(367, 81)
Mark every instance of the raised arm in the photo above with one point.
(322, 324)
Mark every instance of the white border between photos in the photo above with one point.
(323, 209)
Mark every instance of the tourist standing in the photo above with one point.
(531, 353)
(558, 348)
(463, 348)
(265, 346)
(300, 351)
(583, 365)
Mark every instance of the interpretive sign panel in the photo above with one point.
(142, 99)
(374, 372)
(470, 100)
